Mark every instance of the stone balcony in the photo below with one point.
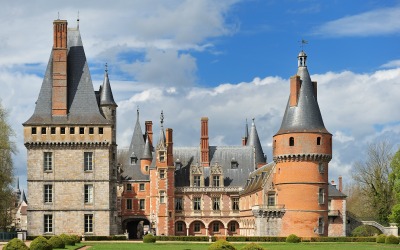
(267, 211)
(208, 189)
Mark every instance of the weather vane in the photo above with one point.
(303, 42)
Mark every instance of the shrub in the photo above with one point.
(149, 238)
(365, 231)
(252, 246)
(293, 239)
(381, 238)
(56, 242)
(68, 239)
(76, 238)
(391, 239)
(40, 243)
(221, 245)
(15, 244)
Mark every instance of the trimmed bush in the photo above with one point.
(365, 231)
(391, 239)
(293, 239)
(252, 246)
(381, 238)
(15, 244)
(149, 238)
(343, 239)
(221, 245)
(103, 238)
(56, 242)
(40, 243)
(76, 238)
(68, 239)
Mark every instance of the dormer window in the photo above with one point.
(216, 181)
(178, 164)
(161, 156)
(234, 164)
(133, 158)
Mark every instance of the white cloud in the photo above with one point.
(391, 64)
(376, 22)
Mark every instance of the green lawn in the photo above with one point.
(268, 246)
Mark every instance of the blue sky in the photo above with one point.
(229, 60)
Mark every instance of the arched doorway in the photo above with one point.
(137, 227)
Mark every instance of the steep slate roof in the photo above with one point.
(222, 155)
(23, 197)
(258, 177)
(306, 116)
(334, 192)
(106, 95)
(254, 141)
(82, 104)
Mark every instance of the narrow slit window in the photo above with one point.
(318, 140)
(291, 141)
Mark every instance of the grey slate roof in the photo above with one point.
(334, 192)
(222, 155)
(82, 104)
(254, 141)
(23, 197)
(258, 177)
(147, 149)
(106, 95)
(306, 116)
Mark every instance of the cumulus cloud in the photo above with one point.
(391, 64)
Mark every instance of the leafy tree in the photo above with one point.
(395, 178)
(373, 177)
(7, 148)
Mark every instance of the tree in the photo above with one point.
(373, 177)
(395, 178)
(7, 148)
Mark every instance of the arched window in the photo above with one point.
(318, 140)
(291, 141)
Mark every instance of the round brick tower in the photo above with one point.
(302, 149)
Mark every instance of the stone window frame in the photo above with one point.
(321, 224)
(197, 180)
(271, 199)
(48, 161)
(215, 226)
(48, 193)
(162, 173)
(53, 130)
(216, 180)
(197, 227)
(142, 204)
(235, 203)
(216, 176)
(101, 130)
(179, 203)
(232, 226)
(321, 168)
(43, 130)
(62, 130)
(162, 197)
(71, 130)
(141, 187)
(88, 223)
(197, 204)
(321, 196)
(161, 155)
(129, 204)
(88, 161)
(129, 187)
(48, 224)
(216, 203)
(33, 130)
(89, 193)
(81, 130)
(179, 226)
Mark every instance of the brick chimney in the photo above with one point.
(204, 144)
(340, 184)
(295, 84)
(169, 141)
(149, 132)
(59, 98)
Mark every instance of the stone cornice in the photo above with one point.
(207, 189)
(269, 211)
(56, 144)
(303, 157)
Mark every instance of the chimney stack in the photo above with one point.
(340, 184)
(295, 84)
(59, 98)
(149, 132)
(204, 144)
(170, 156)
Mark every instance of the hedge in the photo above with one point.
(104, 238)
(343, 239)
(184, 238)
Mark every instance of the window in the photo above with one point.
(216, 203)
(196, 203)
(88, 157)
(62, 130)
(232, 227)
(321, 168)
(321, 196)
(88, 223)
(100, 130)
(141, 187)
(142, 204)
(216, 227)
(196, 181)
(81, 130)
(162, 197)
(146, 168)
(162, 174)
(48, 193)
(33, 130)
(318, 140)
(129, 204)
(48, 161)
(235, 203)
(234, 164)
(72, 130)
(179, 226)
(43, 130)
(89, 193)
(271, 199)
(162, 156)
(91, 130)
(48, 223)
(197, 226)
(178, 204)
(133, 159)
(291, 141)
(216, 181)
(129, 187)
(53, 130)
(320, 225)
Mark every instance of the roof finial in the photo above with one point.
(303, 42)
(77, 21)
(137, 111)
(162, 118)
(106, 67)
(253, 120)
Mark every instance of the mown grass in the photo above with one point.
(268, 246)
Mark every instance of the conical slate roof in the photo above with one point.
(147, 149)
(17, 190)
(161, 139)
(23, 197)
(306, 116)
(106, 95)
(254, 141)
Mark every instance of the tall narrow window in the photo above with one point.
(291, 141)
(72, 130)
(89, 193)
(216, 180)
(142, 204)
(48, 223)
(48, 161)
(197, 203)
(141, 187)
(178, 204)
(33, 130)
(100, 130)
(320, 225)
(321, 168)
(81, 130)
(216, 203)
(318, 140)
(62, 130)
(179, 226)
(88, 223)
(162, 174)
(53, 130)
(235, 203)
(321, 196)
(197, 227)
(271, 199)
(43, 130)
(88, 157)
(91, 130)
(232, 227)
(48, 193)
(216, 227)
(128, 187)
(162, 196)
(129, 204)
(161, 156)
(196, 181)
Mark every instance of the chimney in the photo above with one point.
(333, 183)
(149, 132)
(170, 156)
(244, 141)
(340, 184)
(295, 84)
(315, 89)
(204, 144)
(59, 98)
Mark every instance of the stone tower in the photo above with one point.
(70, 139)
(302, 149)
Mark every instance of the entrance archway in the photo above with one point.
(137, 227)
